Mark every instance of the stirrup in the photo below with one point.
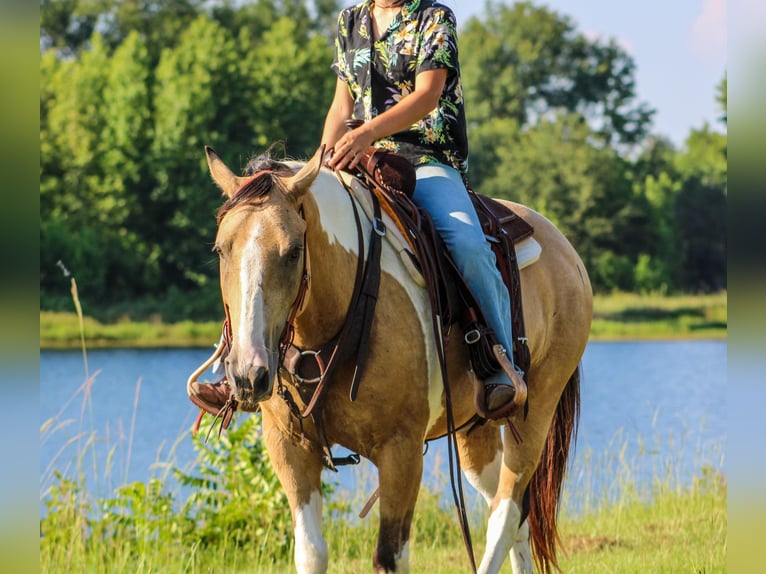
(482, 392)
(517, 379)
(210, 398)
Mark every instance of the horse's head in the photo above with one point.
(260, 244)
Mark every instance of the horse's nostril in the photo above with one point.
(260, 377)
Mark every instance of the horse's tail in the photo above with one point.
(545, 486)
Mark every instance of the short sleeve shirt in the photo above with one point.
(423, 36)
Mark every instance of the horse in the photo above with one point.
(303, 226)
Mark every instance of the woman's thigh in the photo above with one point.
(440, 191)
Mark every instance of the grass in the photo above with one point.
(619, 316)
(236, 519)
(623, 316)
(669, 528)
(676, 531)
(60, 330)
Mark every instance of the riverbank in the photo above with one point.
(621, 316)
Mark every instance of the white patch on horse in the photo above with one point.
(501, 533)
(402, 559)
(337, 223)
(252, 325)
(391, 263)
(335, 211)
(486, 482)
(521, 553)
(311, 554)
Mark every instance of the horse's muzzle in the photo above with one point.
(252, 384)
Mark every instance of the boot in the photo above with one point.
(494, 400)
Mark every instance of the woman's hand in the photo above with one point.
(350, 145)
(349, 148)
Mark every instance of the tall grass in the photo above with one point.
(237, 520)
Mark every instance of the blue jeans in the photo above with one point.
(440, 191)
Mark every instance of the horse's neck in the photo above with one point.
(332, 246)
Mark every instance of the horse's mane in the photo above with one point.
(261, 169)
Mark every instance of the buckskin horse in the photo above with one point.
(304, 226)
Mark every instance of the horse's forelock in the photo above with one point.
(262, 168)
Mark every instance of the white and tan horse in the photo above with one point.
(262, 242)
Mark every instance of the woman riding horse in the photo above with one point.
(398, 70)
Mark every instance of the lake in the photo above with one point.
(649, 410)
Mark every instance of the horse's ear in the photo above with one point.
(222, 175)
(299, 184)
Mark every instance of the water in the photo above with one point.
(648, 408)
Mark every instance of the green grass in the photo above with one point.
(675, 531)
(62, 331)
(620, 316)
(624, 316)
(236, 519)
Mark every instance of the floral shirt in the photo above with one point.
(423, 36)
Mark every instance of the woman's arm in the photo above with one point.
(409, 110)
(341, 109)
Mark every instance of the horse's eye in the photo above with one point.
(294, 255)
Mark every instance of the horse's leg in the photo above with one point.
(400, 468)
(299, 470)
(549, 426)
(504, 533)
(481, 456)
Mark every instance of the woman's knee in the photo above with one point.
(473, 254)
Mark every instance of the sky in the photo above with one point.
(679, 48)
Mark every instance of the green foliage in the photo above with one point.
(722, 98)
(126, 201)
(523, 61)
(613, 272)
(650, 275)
(235, 502)
(144, 514)
(656, 316)
(584, 189)
(236, 495)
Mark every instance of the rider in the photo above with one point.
(398, 70)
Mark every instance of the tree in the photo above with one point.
(66, 25)
(526, 61)
(701, 220)
(584, 189)
(722, 99)
(292, 86)
(701, 210)
(258, 17)
(195, 103)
